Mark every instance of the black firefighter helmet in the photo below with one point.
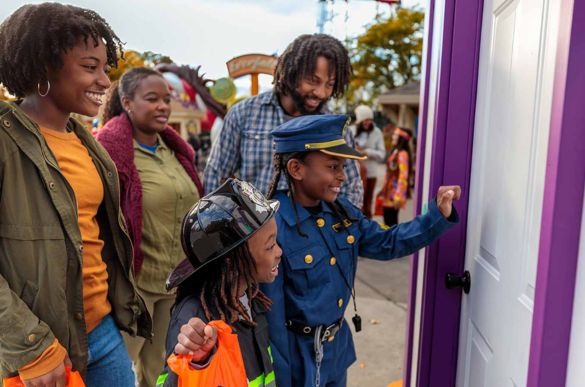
(218, 223)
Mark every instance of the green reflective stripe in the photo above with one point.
(263, 381)
(269, 381)
(161, 379)
(258, 382)
(270, 355)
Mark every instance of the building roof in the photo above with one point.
(407, 94)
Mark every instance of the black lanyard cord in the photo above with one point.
(356, 319)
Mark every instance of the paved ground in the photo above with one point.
(382, 296)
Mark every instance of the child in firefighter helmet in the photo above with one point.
(229, 237)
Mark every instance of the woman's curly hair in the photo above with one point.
(35, 37)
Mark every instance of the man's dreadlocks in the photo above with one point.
(299, 59)
(35, 37)
(218, 284)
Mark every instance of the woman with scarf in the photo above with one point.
(158, 183)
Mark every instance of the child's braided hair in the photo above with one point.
(218, 284)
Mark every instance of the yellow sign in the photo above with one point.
(251, 64)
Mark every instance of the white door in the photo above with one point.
(516, 72)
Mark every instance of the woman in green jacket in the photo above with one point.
(66, 280)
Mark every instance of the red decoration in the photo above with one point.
(208, 121)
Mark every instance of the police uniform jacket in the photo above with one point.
(317, 274)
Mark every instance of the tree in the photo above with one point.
(4, 95)
(133, 59)
(387, 55)
(130, 60)
(152, 59)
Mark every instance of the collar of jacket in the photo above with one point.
(116, 137)
(12, 111)
(287, 211)
(268, 98)
(14, 108)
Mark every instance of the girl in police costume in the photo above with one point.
(322, 236)
(229, 237)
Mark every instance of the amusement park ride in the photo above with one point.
(326, 13)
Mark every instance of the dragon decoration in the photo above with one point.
(190, 88)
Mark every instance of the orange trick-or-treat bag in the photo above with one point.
(226, 368)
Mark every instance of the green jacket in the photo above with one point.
(41, 249)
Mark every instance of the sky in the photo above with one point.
(210, 32)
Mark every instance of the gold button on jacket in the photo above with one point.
(308, 258)
(350, 239)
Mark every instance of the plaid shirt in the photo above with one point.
(244, 146)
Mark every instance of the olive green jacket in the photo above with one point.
(41, 249)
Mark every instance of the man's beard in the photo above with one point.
(299, 102)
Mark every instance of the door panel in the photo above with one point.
(507, 181)
(480, 357)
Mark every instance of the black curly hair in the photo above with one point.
(35, 37)
(300, 58)
(217, 285)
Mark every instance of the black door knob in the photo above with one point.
(453, 280)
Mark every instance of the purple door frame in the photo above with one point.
(562, 207)
(422, 140)
(454, 116)
(451, 164)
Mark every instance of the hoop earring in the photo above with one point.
(39, 89)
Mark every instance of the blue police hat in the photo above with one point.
(324, 133)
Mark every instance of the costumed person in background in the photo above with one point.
(158, 184)
(66, 280)
(229, 238)
(387, 132)
(369, 141)
(322, 235)
(396, 189)
(310, 71)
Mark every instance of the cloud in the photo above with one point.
(210, 32)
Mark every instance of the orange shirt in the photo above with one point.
(78, 168)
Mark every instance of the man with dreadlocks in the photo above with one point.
(311, 70)
(66, 280)
(322, 236)
(229, 237)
